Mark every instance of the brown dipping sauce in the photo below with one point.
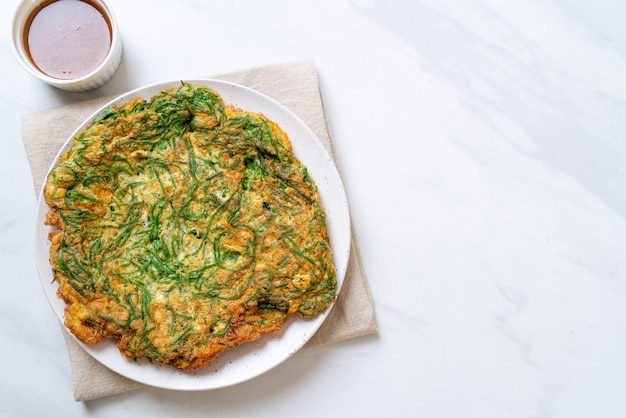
(67, 39)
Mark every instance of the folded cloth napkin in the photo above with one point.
(296, 86)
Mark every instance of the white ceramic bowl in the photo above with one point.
(90, 81)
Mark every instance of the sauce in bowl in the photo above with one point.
(67, 39)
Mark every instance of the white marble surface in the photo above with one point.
(483, 147)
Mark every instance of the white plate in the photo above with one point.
(251, 359)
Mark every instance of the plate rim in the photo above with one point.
(343, 258)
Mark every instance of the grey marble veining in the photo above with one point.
(483, 149)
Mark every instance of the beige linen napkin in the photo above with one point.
(293, 84)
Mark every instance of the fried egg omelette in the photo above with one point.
(183, 227)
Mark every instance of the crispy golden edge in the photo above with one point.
(79, 308)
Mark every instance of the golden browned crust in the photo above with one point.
(185, 228)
